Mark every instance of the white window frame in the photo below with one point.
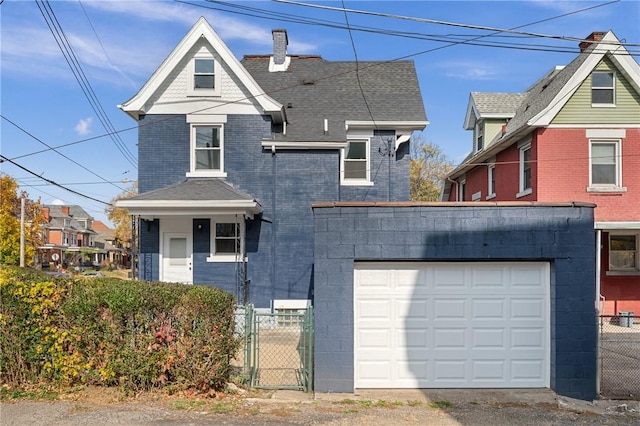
(343, 153)
(226, 257)
(521, 164)
(491, 187)
(479, 136)
(612, 89)
(205, 173)
(462, 185)
(635, 270)
(607, 187)
(191, 89)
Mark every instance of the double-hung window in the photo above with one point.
(491, 181)
(227, 241)
(603, 89)
(207, 150)
(479, 136)
(623, 252)
(605, 171)
(355, 162)
(204, 75)
(525, 170)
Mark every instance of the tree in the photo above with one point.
(10, 224)
(429, 167)
(120, 217)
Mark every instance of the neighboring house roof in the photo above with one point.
(314, 90)
(137, 105)
(99, 226)
(491, 105)
(193, 194)
(57, 216)
(542, 101)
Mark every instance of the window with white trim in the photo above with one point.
(479, 136)
(207, 150)
(623, 252)
(491, 181)
(603, 88)
(525, 170)
(605, 169)
(355, 162)
(204, 76)
(227, 240)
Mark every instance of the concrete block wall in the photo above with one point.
(562, 235)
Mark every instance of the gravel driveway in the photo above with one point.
(442, 407)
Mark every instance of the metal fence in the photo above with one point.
(277, 348)
(620, 356)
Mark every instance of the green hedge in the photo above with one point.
(104, 331)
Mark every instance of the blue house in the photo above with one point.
(232, 154)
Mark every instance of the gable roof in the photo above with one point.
(542, 101)
(491, 105)
(193, 195)
(136, 105)
(313, 89)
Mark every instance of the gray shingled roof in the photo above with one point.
(313, 89)
(497, 103)
(195, 189)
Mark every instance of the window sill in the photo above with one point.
(231, 258)
(490, 196)
(603, 105)
(524, 193)
(622, 273)
(606, 189)
(206, 174)
(356, 183)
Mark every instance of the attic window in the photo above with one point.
(602, 89)
(204, 76)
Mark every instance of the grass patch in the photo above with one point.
(37, 394)
(222, 407)
(186, 404)
(414, 403)
(440, 404)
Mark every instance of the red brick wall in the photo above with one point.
(55, 237)
(621, 293)
(564, 173)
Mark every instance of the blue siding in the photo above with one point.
(280, 243)
(563, 236)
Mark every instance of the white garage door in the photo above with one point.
(451, 325)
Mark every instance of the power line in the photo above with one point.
(76, 68)
(51, 181)
(59, 153)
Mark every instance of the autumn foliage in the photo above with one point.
(130, 334)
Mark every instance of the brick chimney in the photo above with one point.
(280, 42)
(591, 38)
(65, 210)
(46, 214)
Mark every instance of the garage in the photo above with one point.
(455, 295)
(451, 324)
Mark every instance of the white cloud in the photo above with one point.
(83, 126)
(469, 70)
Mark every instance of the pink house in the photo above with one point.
(574, 135)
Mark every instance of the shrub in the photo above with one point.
(133, 334)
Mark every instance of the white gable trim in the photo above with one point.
(621, 58)
(136, 105)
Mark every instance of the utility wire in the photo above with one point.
(51, 181)
(59, 153)
(76, 68)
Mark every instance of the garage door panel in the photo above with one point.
(487, 327)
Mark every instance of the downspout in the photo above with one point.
(597, 303)
(274, 226)
(456, 185)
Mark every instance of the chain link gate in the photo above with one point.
(619, 356)
(278, 349)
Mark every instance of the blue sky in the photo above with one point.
(119, 44)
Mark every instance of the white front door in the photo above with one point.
(177, 258)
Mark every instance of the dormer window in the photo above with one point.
(479, 137)
(204, 76)
(603, 89)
